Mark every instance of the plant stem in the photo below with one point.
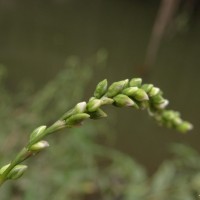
(26, 153)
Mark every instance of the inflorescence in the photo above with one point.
(123, 93)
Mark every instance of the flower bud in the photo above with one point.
(154, 91)
(79, 108)
(170, 115)
(76, 119)
(116, 88)
(162, 105)
(99, 113)
(184, 127)
(106, 101)
(122, 100)
(17, 172)
(37, 132)
(3, 169)
(147, 87)
(135, 82)
(140, 95)
(130, 91)
(177, 121)
(157, 99)
(57, 126)
(93, 105)
(101, 89)
(39, 146)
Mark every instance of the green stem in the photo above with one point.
(26, 153)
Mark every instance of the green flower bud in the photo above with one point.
(99, 113)
(116, 88)
(16, 172)
(79, 108)
(39, 146)
(130, 91)
(184, 127)
(76, 119)
(172, 119)
(154, 91)
(3, 169)
(101, 89)
(93, 105)
(37, 132)
(177, 121)
(157, 99)
(170, 114)
(56, 126)
(135, 82)
(106, 101)
(147, 87)
(122, 100)
(140, 95)
(162, 105)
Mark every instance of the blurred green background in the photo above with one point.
(52, 54)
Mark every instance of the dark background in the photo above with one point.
(36, 37)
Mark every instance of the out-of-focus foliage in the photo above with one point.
(78, 166)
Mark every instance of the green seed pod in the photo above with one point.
(101, 89)
(76, 119)
(122, 100)
(130, 91)
(106, 101)
(184, 127)
(93, 105)
(39, 146)
(135, 82)
(147, 87)
(37, 132)
(17, 172)
(154, 91)
(116, 88)
(99, 113)
(141, 95)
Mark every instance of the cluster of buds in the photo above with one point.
(172, 119)
(14, 170)
(125, 93)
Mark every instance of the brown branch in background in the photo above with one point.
(174, 15)
(165, 14)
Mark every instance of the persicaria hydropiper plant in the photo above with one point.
(123, 93)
